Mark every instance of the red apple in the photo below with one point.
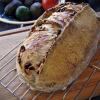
(49, 3)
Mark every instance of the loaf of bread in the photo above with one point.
(59, 47)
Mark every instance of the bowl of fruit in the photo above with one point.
(23, 11)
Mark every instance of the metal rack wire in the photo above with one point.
(10, 80)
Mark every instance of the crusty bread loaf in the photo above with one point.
(59, 47)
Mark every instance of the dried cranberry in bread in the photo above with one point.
(59, 47)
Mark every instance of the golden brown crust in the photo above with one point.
(70, 54)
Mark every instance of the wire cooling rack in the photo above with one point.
(10, 80)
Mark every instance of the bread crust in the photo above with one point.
(70, 54)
